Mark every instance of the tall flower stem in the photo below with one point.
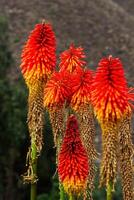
(38, 63)
(71, 197)
(33, 191)
(62, 193)
(34, 168)
(59, 141)
(110, 97)
(109, 191)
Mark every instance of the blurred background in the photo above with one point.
(101, 27)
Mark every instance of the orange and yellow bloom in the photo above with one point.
(72, 59)
(38, 55)
(73, 166)
(109, 90)
(81, 86)
(57, 89)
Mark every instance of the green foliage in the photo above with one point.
(100, 193)
(5, 54)
(12, 119)
(12, 98)
(54, 192)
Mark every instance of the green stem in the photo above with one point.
(34, 169)
(33, 191)
(109, 191)
(59, 141)
(71, 197)
(62, 194)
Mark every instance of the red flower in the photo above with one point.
(38, 56)
(73, 162)
(57, 89)
(72, 59)
(109, 90)
(81, 86)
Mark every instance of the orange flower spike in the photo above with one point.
(109, 90)
(72, 59)
(81, 86)
(38, 56)
(57, 89)
(73, 161)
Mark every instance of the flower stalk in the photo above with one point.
(110, 98)
(109, 191)
(34, 168)
(36, 68)
(71, 197)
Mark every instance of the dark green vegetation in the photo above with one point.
(14, 139)
(14, 133)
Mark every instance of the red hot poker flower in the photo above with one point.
(81, 86)
(57, 89)
(109, 90)
(73, 162)
(38, 56)
(38, 62)
(110, 97)
(72, 59)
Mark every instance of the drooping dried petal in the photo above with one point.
(56, 115)
(126, 155)
(36, 113)
(73, 162)
(108, 170)
(109, 90)
(38, 55)
(87, 134)
(35, 126)
(72, 59)
(131, 97)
